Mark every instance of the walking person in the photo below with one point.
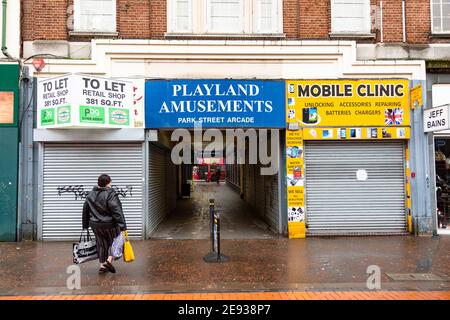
(218, 173)
(102, 211)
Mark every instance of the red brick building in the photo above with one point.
(390, 29)
(141, 40)
(301, 20)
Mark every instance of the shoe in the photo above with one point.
(110, 267)
(102, 270)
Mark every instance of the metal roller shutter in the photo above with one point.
(71, 170)
(336, 202)
(249, 184)
(157, 188)
(272, 210)
(172, 185)
(260, 195)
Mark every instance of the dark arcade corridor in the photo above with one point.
(190, 220)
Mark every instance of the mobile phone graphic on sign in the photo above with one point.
(374, 133)
(401, 133)
(291, 114)
(297, 172)
(294, 152)
(296, 214)
(310, 115)
(355, 133)
(294, 182)
(327, 133)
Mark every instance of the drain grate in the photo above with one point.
(414, 277)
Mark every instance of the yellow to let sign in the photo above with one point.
(347, 103)
(416, 97)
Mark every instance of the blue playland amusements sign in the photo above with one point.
(215, 103)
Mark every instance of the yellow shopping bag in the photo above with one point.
(128, 254)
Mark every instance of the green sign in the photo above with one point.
(63, 115)
(48, 116)
(119, 117)
(90, 114)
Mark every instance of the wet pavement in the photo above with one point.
(191, 219)
(313, 264)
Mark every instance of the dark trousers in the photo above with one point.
(104, 238)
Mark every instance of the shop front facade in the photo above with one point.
(437, 130)
(361, 165)
(69, 166)
(210, 122)
(347, 148)
(86, 127)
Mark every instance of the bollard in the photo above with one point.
(215, 255)
(211, 222)
(217, 233)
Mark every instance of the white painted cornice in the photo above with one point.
(262, 59)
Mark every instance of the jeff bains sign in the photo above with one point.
(85, 101)
(436, 119)
(215, 103)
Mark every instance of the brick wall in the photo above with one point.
(133, 19)
(392, 21)
(302, 19)
(158, 18)
(315, 20)
(418, 22)
(44, 19)
(291, 11)
(27, 21)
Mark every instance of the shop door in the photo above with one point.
(70, 171)
(340, 202)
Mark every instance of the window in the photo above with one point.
(350, 16)
(181, 15)
(95, 16)
(440, 13)
(225, 16)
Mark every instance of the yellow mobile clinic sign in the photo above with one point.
(347, 103)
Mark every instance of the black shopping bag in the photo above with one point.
(85, 249)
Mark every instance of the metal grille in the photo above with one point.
(337, 202)
(71, 170)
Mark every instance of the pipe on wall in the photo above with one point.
(4, 16)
